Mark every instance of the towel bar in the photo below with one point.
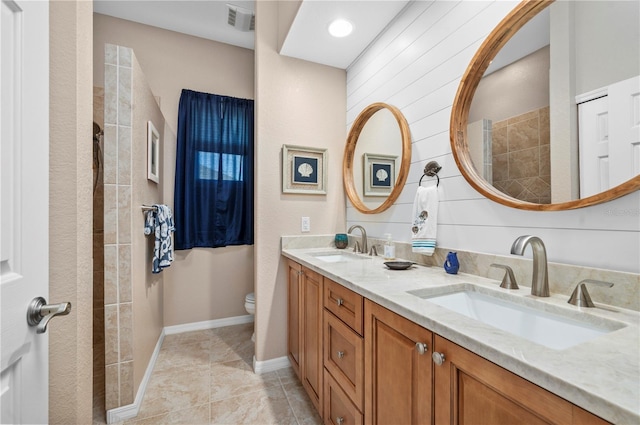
(431, 170)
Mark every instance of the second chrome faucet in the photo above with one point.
(540, 279)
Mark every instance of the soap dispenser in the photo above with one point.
(389, 248)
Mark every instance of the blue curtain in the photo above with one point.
(214, 171)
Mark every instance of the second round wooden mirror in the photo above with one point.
(377, 157)
(521, 133)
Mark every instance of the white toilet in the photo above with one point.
(250, 306)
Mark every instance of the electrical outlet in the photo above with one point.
(305, 224)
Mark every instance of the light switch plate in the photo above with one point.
(305, 224)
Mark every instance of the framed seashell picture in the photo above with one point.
(379, 173)
(304, 170)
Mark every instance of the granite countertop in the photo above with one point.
(601, 375)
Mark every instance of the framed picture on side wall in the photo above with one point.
(379, 174)
(304, 170)
(153, 153)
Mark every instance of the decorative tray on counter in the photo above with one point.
(399, 265)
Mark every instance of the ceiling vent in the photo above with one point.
(241, 19)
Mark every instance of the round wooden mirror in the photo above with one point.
(377, 157)
(473, 136)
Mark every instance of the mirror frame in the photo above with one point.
(517, 18)
(349, 150)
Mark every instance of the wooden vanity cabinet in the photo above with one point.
(305, 329)
(469, 389)
(362, 363)
(294, 304)
(398, 377)
(343, 355)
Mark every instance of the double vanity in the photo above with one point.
(376, 345)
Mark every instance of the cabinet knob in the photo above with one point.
(340, 301)
(340, 354)
(421, 347)
(438, 358)
(339, 420)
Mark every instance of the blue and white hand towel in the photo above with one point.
(425, 220)
(160, 221)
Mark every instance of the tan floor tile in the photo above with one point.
(300, 403)
(193, 416)
(187, 338)
(192, 353)
(268, 406)
(236, 378)
(177, 388)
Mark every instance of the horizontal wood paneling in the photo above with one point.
(416, 65)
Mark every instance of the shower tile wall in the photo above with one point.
(98, 263)
(118, 318)
(520, 157)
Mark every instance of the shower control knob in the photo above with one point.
(40, 313)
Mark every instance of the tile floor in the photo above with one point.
(205, 377)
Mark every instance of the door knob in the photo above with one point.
(39, 313)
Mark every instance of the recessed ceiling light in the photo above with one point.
(340, 28)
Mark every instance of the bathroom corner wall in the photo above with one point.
(203, 283)
(118, 304)
(132, 294)
(297, 102)
(147, 287)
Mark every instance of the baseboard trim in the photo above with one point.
(208, 324)
(260, 367)
(129, 411)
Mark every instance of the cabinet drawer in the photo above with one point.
(344, 357)
(338, 409)
(344, 303)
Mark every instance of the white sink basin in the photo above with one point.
(551, 330)
(337, 257)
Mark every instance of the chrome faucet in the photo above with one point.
(363, 244)
(540, 280)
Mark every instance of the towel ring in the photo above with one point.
(431, 170)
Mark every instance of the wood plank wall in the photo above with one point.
(416, 65)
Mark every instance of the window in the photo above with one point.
(214, 171)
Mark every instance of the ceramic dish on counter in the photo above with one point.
(399, 265)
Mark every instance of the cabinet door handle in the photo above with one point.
(438, 358)
(340, 301)
(421, 347)
(340, 354)
(339, 420)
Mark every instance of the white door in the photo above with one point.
(624, 124)
(609, 138)
(24, 212)
(593, 119)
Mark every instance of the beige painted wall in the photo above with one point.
(147, 287)
(297, 102)
(173, 61)
(70, 206)
(201, 284)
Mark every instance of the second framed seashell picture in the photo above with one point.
(379, 171)
(304, 170)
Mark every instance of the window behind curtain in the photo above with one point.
(214, 171)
